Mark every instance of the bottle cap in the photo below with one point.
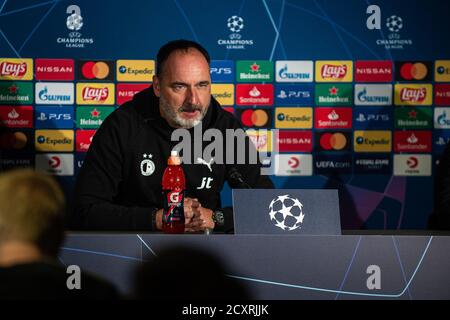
(174, 153)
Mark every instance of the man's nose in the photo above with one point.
(192, 96)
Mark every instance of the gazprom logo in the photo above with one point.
(54, 93)
(442, 121)
(373, 95)
(294, 71)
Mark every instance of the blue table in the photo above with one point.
(287, 267)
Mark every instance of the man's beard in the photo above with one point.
(174, 117)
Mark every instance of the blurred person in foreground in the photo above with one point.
(31, 231)
(180, 273)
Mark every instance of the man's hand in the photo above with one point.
(201, 221)
(196, 217)
(190, 205)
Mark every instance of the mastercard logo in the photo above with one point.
(255, 118)
(413, 71)
(13, 140)
(92, 70)
(333, 141)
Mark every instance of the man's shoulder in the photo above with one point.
(226, 120)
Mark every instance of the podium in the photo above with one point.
(286, 266)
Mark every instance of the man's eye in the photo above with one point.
(178, 87)
(203, 85)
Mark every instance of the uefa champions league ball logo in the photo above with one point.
(235, 24)
(286, 212)
(74, 22)
(394, 23)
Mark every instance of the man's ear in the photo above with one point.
(156, 86)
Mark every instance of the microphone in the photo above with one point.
(236, 180)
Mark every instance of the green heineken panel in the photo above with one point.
(254, 71)
(334, 94)
(19, 92)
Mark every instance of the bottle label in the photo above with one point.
(173, 206)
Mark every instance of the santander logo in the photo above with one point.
(13, 69)
(334, 71)
(413, 95)
(95, 94)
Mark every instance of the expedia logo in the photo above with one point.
(223, 93)
(135, 70)
(293, 118)
(372, 141)
(54, 140)
(442, 71)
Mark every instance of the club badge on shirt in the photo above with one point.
(147, 165)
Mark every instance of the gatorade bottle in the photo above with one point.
(173, 186)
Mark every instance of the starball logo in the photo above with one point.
(235, 41)
(16, 69)
(74, 23)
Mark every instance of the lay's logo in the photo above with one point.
(413, 95)
(334, 71)
(16, 69)
(97, 94)
(90, 93)
(13, 69)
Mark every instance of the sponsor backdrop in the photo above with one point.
(360, 93)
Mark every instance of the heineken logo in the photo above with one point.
(92, 117)
(258, 71)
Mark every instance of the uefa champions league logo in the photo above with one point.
(235, 41)
(394, 23)
(286, 212)
(74, 22)
(235, 24)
